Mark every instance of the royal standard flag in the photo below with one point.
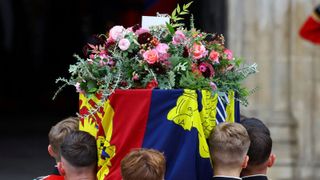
(175, 122)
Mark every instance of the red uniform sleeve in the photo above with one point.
(54, 177)
(310, 30)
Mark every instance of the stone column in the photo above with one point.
(266, 32)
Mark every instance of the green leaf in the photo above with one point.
(178, 9)
(91, 84)
(177, 25)
(92, 90)
(170, 28)
(171, 78)
(177, 19)
(184, 12)
(187, 5)
(173, 14)
(181, 67)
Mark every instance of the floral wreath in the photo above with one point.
(167, 56)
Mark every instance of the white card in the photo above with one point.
(148, 21)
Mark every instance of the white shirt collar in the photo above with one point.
(228, 177)
(254, 175)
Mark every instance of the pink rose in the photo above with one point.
(141, 31)
(229, 54)
(178, 37)
(214, 56)
(163, 57)
(124, 44)
(198, 51)
(116, 33)
(130, 29)
(103, 55)
(151, 56)
(162, 49)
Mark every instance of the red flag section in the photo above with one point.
(128, 133)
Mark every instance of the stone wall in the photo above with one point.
(266, 32)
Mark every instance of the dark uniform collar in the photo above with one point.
(255, 177)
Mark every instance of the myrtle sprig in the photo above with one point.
(177, 13)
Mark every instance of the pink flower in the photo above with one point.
(178, 37)
(228, 52)
(124, 44)
(135, 77)
(103, 55)
(111, 62)
(151, 56)
(102, 63)
(141, 31)
(206, 69)
(116, 33)
(163, 57)
(198, 51)
(214, 56)
(202, 67)
(78, 88)
(130, 29)
(162, 49)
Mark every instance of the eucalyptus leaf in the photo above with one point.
(178, 9)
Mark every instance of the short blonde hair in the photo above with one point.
(143, 164)
(59, 131)
(229, 144)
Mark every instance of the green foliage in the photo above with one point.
(190, 81)
(177, 13)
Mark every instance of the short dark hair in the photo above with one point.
(261, 142)
(79, 148)
(143, 164)
(254, 124)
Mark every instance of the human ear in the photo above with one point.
(245, 162)
(271, 160)
(51, 152)
(61, 169)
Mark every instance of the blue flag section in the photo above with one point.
(179, 145)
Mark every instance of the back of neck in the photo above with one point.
(253, 171)
(227, 172)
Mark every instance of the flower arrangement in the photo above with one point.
(166, 57)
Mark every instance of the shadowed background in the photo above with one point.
(37, 41)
